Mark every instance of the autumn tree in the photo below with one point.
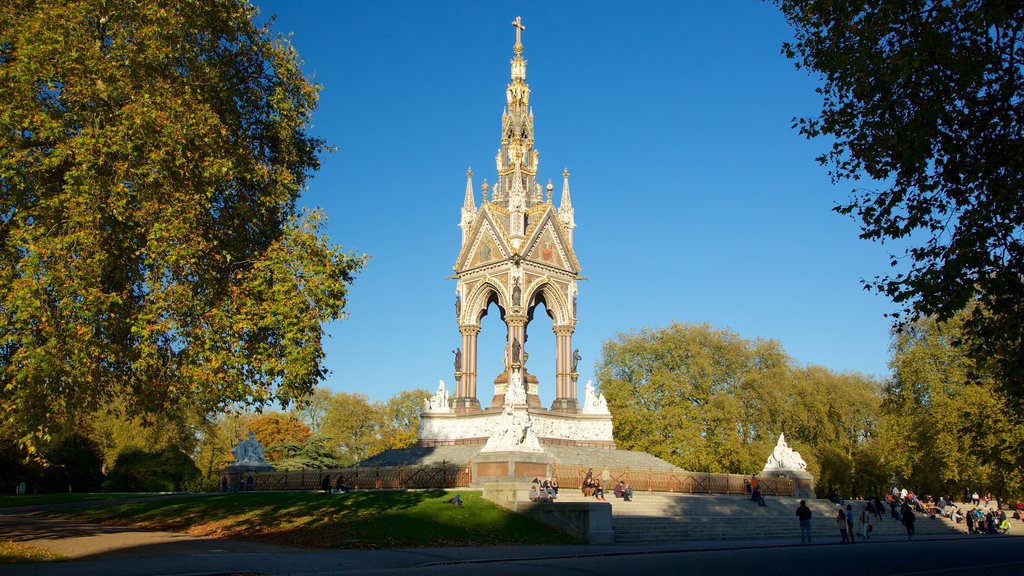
(709, 400)
(274, 429)
(945, 425)
(925, 98)
(151, 157)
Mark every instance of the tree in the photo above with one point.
(351, 424)
(945, 426)
(926, 98)
(399, 420)
(151, 156)
(709, 400)
(275, 429)
(164, 470)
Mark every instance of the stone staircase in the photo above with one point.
(662, 518)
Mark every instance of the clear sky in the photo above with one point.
(695, 198)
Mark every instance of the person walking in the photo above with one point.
(804, 514)
(908, 523)
(841, 524)
(849, 522)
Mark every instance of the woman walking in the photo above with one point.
(841, 523)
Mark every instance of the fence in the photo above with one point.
(450, 475)
(647, 480)
(445, 475)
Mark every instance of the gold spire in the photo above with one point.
(518, 23)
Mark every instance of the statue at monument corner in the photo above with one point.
(594, 404)
(784, 458)
(249, 452)
(439, 401)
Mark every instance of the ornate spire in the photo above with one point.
(468, 206)
(468, 203)
(517, 160)
(565, 211)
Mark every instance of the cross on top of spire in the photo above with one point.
(518, 23)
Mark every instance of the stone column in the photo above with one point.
(565, 386)
(466, 400)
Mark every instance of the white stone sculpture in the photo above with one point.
(439, 401)
(249, 452)
(514, 430)
(784, 458)
(594, 404)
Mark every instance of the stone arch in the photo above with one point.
(480, 300)
(554, 302)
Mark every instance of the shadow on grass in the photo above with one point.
(386, 519)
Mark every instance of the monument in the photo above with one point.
(784, 462)
(516, 253)
(248, 457)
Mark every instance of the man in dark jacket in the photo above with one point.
(804, 514)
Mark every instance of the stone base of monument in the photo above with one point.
(803, 481)
(566, 405)
(588, 521)
(236, 473)
(511, 466)
(466, 405)
(569, 428)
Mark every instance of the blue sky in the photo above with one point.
(695, 199)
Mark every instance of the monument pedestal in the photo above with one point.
(803, 481)
(511, 466)
(565, 405)
(466, 405)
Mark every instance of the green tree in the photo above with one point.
(151, 156)
(946, 426)
(399, 420)
(351, 423)
(74, 463)
(709, 400)
(164, 470)
(926, 98)
(116, 432)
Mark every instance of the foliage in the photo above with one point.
(151, 156)
(12, 552)
(74, 464)
(275, 429)
(927, 99)
(399, 419)
(164, 470)
(350, 424)
(385, 519)
(946, 425)
(116, 432)
(708, 400)
(315, 453)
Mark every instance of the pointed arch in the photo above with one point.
(554, 301)
(480, 299)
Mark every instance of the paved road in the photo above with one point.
(104, 550)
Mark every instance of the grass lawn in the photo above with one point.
(13, 552)
(12, 500)
(386, 519)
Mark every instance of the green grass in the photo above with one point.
(16, 552)
(316, 520)
(12, 500)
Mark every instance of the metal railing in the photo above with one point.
(445, 475)
(649, 480)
